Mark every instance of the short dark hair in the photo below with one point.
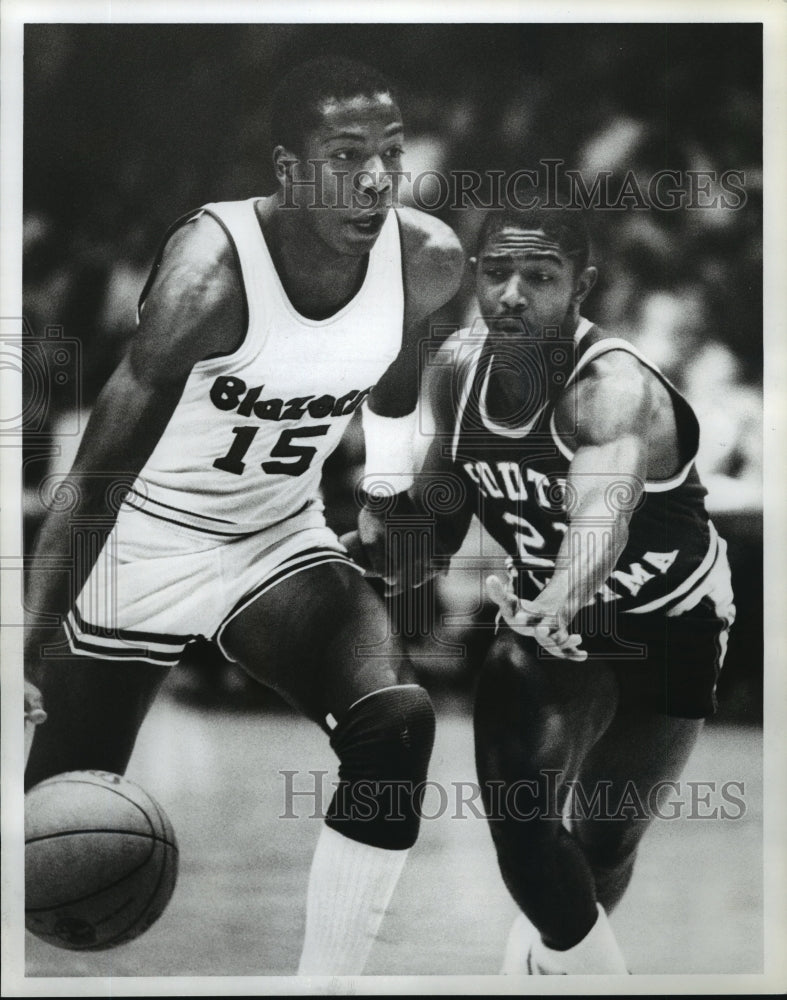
(296, 104)
(566, 226)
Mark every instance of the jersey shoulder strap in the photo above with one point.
(156, 265)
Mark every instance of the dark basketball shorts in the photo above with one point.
(666, 660)
(668, 665)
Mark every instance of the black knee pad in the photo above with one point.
(384, 744)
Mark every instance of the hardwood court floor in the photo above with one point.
(694, 905)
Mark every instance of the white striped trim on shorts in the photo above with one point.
(166, 650)
(297, 563)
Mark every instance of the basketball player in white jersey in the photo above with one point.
(577, 455)
(264, 326)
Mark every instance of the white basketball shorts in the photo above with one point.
(157, 586)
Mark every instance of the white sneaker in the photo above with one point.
(519, 946)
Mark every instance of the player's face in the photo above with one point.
(526, 284)
(353, 155)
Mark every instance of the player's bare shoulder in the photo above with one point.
(614, 395)
(433, 262)
(193, 306)
(615, 369)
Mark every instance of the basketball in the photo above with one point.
(101, 860)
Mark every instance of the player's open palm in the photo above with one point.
(525, 617)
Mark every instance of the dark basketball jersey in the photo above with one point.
(673, 556)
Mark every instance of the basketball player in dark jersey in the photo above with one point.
(264, 326)
(577, 455)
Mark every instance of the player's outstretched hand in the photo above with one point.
(526, 618)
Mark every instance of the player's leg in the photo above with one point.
(664, 699)
(639, 750)
(535, 720)
(321, 638)
(94, 711)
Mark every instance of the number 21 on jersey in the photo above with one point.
(529, 538)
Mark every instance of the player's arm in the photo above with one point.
(433, 263)
(440, 497)
(616, 408)
(438, 504)
(192, 310)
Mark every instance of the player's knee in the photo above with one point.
(384, 744)
(511, 661)
(610, 845)
(513, 678)
(521, 730)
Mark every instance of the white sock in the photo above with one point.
(350, 887)
(520, 939)
(597, 953)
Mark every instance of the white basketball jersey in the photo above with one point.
(245, 446)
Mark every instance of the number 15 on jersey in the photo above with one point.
(300, 455)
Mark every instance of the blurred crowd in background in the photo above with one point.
(126, 127)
